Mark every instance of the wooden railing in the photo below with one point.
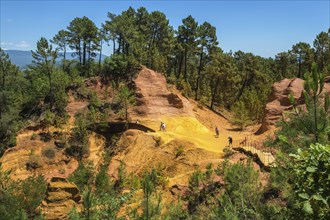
(252, 148)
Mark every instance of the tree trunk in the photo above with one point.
(84, 52)
(89, 58)
(100, 56)
(214, 92)
(199, 74)
(114, 46)
(64, 52)
(79, 54)
(50, 90)
(185, 63)
(49, 73)
(180, 65)
(120, 43)
(175, 66)
(315, 119)
(243, 86)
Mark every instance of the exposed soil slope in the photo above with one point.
(29, 149)
(184, 120)
(189, 141)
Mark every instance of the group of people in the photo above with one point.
(217, 133)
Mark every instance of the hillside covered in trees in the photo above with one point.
(77, 119)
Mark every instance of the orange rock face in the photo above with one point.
(61, 197)
(154, 99)
(279, 102)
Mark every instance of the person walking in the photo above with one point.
(164, 127)
(230, 141)
(217, 132)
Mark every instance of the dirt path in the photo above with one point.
(73, 108)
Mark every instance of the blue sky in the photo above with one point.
(261, 27)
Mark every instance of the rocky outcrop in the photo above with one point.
(61, 197)
(153, 99)
(279, 101)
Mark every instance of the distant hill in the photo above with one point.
(23, 58)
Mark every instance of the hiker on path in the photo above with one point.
(230, 141)
(216, 132)
(162, 127)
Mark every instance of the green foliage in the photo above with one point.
(83, 39)
(241, 198)
(80, 131)
(322, 49)
(316, 119)
(12, 94)
(34, 161)
(83, 176)
(122, 174)
(306, 126)
(194, 190)
(241, 119)
(78, 143)
(126, 98)
(94, 101)
(44, 62)
(120, 67)
(304, 54)
(176, 211)
(147, 37)
(19, 199)
(151, 204)
(228, 152)
(102, 203)
(311, 184)
(179, 151)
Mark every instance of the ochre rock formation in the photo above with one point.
(279, 102)
(154, 99)
(61, 197)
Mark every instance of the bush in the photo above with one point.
(45, 136)
(20, 199)
(228, 152)
(34, 161)
(49, 152)
(179, 151)
(83, 176)
(34, 136)
(241, 118)
(77, 150)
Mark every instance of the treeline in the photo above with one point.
(190, 57)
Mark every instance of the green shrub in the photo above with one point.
(83, 176)
(49, 152)
(179, 151)
(34, 161)
(34, 136)
(228, 152)
(19, 199)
